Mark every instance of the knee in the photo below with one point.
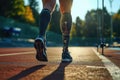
(49, 4)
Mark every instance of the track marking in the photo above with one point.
(111, 67)
(20, 53)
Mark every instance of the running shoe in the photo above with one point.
(40, 49)
(66, 57)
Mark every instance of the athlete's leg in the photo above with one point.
(65, 6)
(45, 15)
(65, 24)
(66, 20)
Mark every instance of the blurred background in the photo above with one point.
(94, 21)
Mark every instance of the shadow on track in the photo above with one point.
(58, 74)
(26, 72)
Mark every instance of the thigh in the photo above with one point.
(49, 4)
(65, 5)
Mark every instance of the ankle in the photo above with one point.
(65, 50)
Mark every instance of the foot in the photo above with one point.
(66, 57)
(40, 49)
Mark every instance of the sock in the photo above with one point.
(65, 25)
(44, 21)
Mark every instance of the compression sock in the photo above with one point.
(44, 21)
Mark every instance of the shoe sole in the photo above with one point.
(40, 49)
(66, 60)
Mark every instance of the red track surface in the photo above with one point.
(85, 65)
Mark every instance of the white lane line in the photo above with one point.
(111, 67)
(20, 53)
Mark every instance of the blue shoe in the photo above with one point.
(66, 57)
(40, 49)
